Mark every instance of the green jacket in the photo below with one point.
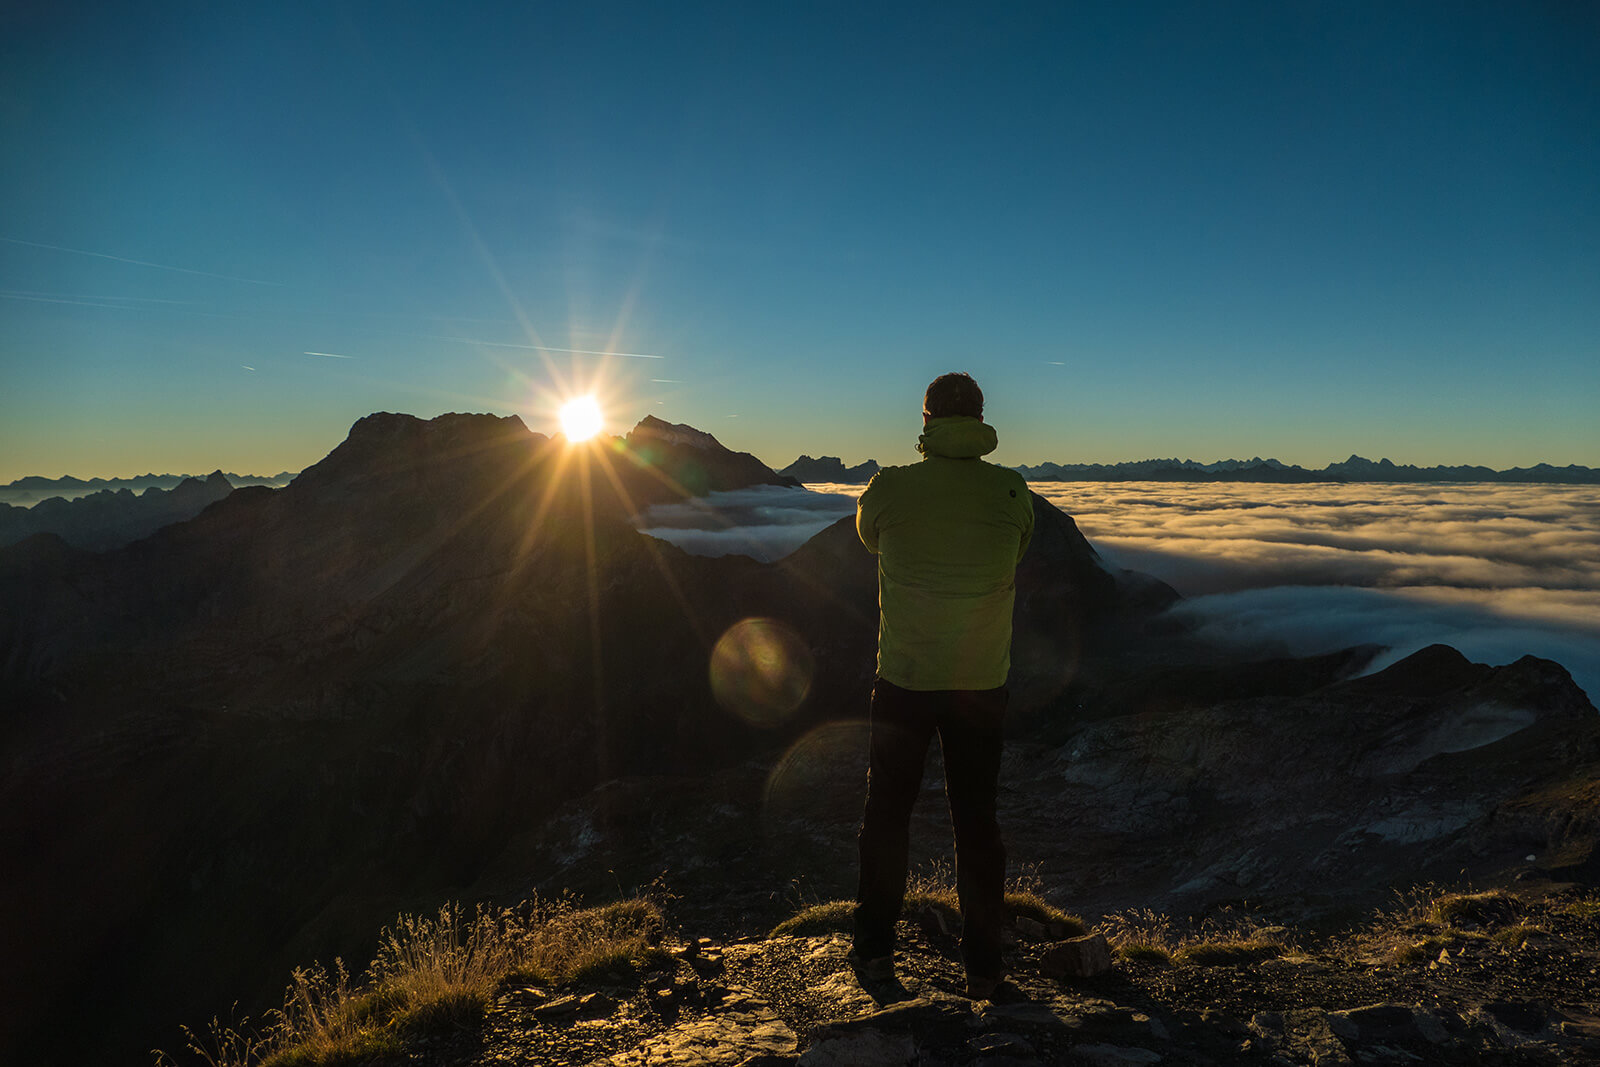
(948, 533)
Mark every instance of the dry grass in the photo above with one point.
(431, 974)
(1228, 953)
(1028, 904)
(1516, 934)
(1583, 909)
(1224, 939)
(1428, 919)
(1493, 908)
(931, 892)
(831, 917)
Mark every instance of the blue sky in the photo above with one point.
(1296, 229)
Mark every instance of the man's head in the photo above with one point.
(952, 394)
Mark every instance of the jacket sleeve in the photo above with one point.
(868, 508)
(1027, 522)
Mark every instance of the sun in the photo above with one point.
(580, 418)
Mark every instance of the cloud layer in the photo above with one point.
(765, 522)
(1498, 571)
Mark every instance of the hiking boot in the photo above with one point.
(873, 969)
(981, 988)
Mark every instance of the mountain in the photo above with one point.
(111, 518)
(830, 469)
(34, 488)
(691, 462)
(1156, 470)
(1354, 469)
(442, 662)
(1359, 469)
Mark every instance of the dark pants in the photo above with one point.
(969, 726)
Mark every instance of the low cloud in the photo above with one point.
(1498, 571)
(765, 522)
(1304, 621)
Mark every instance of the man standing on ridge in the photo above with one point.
(948, 533)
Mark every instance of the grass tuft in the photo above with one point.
(832, 917)
(1228, 953)
(1516, 934)
(431, 975)
(1026, 903)
(1583, 909)
(1142, 953)
(1492, 908)
(1219, 940)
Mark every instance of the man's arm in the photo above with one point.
(1027, 524)
(868, 507)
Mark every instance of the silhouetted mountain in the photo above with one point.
(112, 517)
(692, 462)
(33, 488)
(1354, 469)
(1172, 471)
(248, 740)
(830, 469)
(1358, 469)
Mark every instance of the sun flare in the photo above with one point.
(580, 418)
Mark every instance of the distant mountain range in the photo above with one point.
(34, 488)
(111, 518)
(1354, 469)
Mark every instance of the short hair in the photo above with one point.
(953, 394)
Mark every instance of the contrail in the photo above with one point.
(548, 348)
(139, 262)
(330, 355)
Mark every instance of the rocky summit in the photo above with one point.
(443, 664)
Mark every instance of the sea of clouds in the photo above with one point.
(1498, 571)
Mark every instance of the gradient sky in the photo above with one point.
(1290, 228)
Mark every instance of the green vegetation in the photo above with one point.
(431, 975)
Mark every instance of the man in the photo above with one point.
(948, 533)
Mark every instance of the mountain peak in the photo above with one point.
(385, 443)
(673, 433)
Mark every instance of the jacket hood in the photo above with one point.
(957, 437)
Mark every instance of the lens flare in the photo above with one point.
(820, 779)
(580, 418)
(761, 670)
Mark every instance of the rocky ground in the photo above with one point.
(1513, 978)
